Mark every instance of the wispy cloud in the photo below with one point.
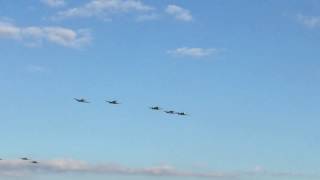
(309, 21)
(109, 9)
(53, 34)
(105, 9)
(194, 52)
(23, 168)
(36, 68)
(54, 3)
(148, 17)
(179, 13)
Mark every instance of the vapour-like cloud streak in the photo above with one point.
(25, 168)
(54, 3)
(194, 52)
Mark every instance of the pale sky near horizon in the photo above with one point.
(247, 72)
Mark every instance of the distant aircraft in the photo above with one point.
(81, 100)
(34, 162)
(25, 159)
(156, 108)
(169, 112)
(112, 102)
(182, 114)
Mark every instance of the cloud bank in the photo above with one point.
(25, 168)
(35, 35)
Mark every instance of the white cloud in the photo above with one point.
(54, 3)
(105, 8)
(309, 21)
(9, 30)
(108, 9)
(24, 168)
(179, 13)
(194, 52)
(35, 35)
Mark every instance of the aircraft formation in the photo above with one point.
(154, 108)
(26, 159)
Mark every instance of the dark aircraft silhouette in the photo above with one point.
(169, 112)
(182, 114)
(81, 100)
(25, 159)
(156, 108)
(34, 162)
(112, 102)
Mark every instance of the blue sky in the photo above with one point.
(246, 72)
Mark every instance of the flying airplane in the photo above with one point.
(25, 159)
(113, 102)
(169, 112)
(156, 108)
(81, 100)
(182, 114)
(34, 162)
